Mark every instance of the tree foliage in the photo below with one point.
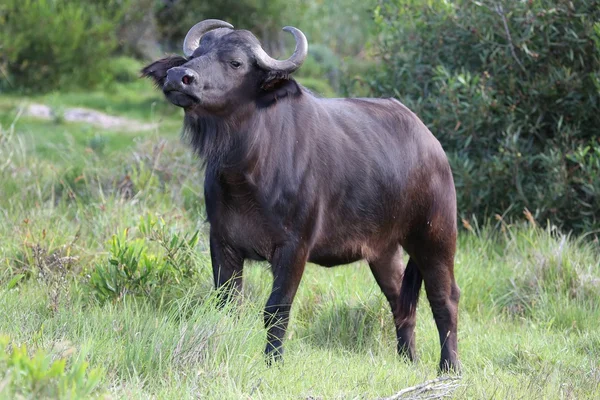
(176, 17)
(50, 44)
(60, 44)
(335, 29)
(511, 89)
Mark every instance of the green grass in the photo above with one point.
(136, 100)
(529, 312)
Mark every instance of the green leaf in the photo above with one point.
(15, 281)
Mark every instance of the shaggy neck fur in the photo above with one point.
(229, 142)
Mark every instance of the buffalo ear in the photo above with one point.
(274, 79)
(277, 85)
(157, 71)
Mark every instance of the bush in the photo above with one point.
(319, 86)
(321, 64)
(334, 28)
(176, 17)
(134, 269)
(50, 44)
(42, 377)
(125, 69)
(511, 90)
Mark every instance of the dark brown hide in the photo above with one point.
(292, 178)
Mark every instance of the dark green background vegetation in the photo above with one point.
(510, 88)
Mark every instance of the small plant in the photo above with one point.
(58, 115)
(144, 177)
(178, 250)
(135, 269)
(130, 270)
(40, 257)
(98, 143)
(41, 376)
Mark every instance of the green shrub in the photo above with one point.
(318, 86)
(51, 44)
(135, 269)
(511, 90)
(125, 69)
(334, 28)
(41, 376)
(175, 18)
(322, 64)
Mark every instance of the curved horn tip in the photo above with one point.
(301, 44)
(295, 31)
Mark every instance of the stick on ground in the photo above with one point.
(433, 389)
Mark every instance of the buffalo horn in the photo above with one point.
(192, 39)
(292, 63)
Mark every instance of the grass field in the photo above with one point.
(106, 292)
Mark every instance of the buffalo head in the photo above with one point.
(223, 69)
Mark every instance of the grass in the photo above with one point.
(528, 315)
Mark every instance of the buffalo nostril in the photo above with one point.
(187, 79)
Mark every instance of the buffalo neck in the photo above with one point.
(220, 142)
(251, 141)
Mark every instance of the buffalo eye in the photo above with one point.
(235, 64)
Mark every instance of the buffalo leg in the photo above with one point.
(401, 288)
(287, 265)
(227, 265)
(443, 295)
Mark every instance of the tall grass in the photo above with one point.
(528, 314)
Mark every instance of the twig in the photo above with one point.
(500, 12)
(433, 389)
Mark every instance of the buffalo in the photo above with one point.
(292, 178)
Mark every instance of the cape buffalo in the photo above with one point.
(292, 178)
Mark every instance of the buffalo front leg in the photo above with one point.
(227, 265)
(287, 266)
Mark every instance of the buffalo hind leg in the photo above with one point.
(401, 289)
(288, 266)
(227, 265)
(443, 294)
